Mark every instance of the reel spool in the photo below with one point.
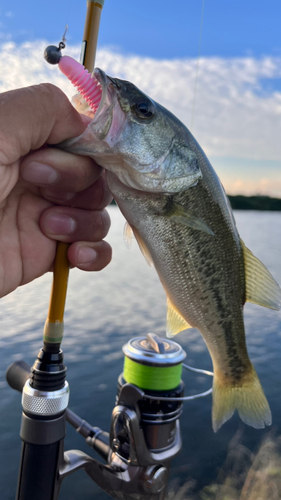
(154, 365)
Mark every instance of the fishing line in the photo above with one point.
(62, 44)
(63, 38)
(155, 364)
(186, 398)
(68, 14)
(197, 370)
(197, 66)
(154, 378)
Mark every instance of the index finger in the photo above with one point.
(59, 170)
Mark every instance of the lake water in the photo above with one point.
(106, 309)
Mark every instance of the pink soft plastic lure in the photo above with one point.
(79, 76)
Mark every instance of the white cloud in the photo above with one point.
(234, 115)
(23, 65)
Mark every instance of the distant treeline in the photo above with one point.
(240, 202)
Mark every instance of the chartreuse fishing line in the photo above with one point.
(155, 364)
(155, 378)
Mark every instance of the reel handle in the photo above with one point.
(17, 374)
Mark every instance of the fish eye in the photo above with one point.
(144, 109)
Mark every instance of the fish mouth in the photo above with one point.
(96, 99)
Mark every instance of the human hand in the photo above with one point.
(46, 194)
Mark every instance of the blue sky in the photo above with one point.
(155, 44)
(155, 28)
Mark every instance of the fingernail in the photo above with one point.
(38, 173)
(59, 224)
(86, 255)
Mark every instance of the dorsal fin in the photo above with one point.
(128, 235)
(175, 322)
(261, 287)
(143, 247)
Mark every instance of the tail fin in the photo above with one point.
(247, 398)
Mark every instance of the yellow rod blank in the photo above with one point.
(59, 287)
(53, 330)
(90, 37)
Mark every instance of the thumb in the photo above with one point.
(32, 116)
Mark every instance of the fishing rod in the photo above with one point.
(144, 434)
(54, 326)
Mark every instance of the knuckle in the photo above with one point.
(101, 224)
(54, 92)
(102, 196)
(105, 195)
(83, 174)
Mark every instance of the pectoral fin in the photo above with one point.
(261, 287)
(128, 235)
(175, 322)
(143, 247)
(181, 215)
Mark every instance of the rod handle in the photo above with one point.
(38, 472)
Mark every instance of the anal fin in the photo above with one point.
(175, 322)
(261, 287)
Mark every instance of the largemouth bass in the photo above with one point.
(178, 211)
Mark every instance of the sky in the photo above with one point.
(237, 104)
